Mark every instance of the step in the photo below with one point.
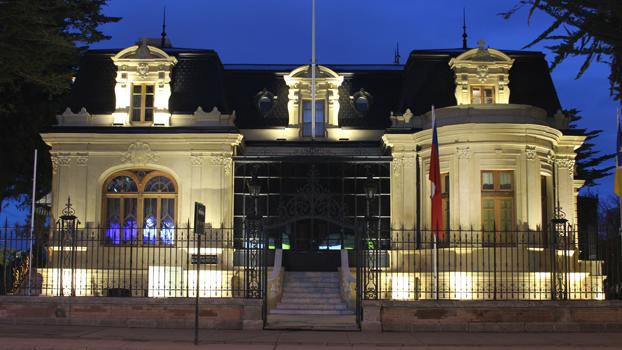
(310, 312)
(320, 297)
(289, 306)
(311, 285)
(311, 273)
(314, 301)
(312, 290)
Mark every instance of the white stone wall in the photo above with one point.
(201, 164)
(528, 150)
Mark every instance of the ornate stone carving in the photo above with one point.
(60, 160)
(482, 73)
(82, 159)
(401, 120)
(463, 152)
(139, 153)
(566, 163)
(142, 69)
(220, 159)
(196, 159)
(396, 166)
(201, 117)
(550, 158)
(313, 151)
(83, 117)
(530, 152)
(409, 161)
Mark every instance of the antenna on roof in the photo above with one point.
(464, 32)
(163, 40)
(396, 54)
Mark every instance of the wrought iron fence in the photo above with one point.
(489, 265)
(552, 264)
(113, 262)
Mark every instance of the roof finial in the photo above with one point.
(163, 40)
(396, 54)
(482, 44)
(464, 32)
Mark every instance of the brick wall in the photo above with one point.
(493, 316)
(224, 313)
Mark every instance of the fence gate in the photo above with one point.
(255, 249)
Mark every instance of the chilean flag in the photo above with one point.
(435, 179)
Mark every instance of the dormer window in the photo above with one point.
(142, 88)
(265, 102)
(299, 103)
(361, 101)
(482, 76)
(482, 95)
(142, 102)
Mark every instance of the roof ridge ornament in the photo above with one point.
(143, 50)
(482, 44)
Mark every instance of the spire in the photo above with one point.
(396, 54)
(163, 40)
(464, 32)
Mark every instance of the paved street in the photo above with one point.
(95, 338)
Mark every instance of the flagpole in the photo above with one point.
(435, 262)
(32, 222)
(313, 111)
(617, 166)
(434, 230)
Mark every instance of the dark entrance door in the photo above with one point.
(311, 207)
(313, 244)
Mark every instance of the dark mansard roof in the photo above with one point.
(428, 80)
(200, 79)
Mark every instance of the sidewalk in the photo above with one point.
(96, 338)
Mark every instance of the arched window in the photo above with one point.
(140, 206)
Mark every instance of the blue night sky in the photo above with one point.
(358, 31)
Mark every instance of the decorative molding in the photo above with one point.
(464, 152)
(83, 117)
(200, 116)
(60, 160)
(409, 161)
(550, 158)
(139, 153)
(196, 159)
(482, 66)
(396, 167)
(142, 69)
(313, 151)
(530, 152)
(398, 121)
(82, 159)
(568, 164)
(220, 159)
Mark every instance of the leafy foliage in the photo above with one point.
(589, 162)
(40, 45)
(587, 28)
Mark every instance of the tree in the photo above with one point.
(587, 28)
(589, 162)
(40, 44)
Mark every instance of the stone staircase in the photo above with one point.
(311, 293)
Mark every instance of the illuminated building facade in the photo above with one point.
(149, 131)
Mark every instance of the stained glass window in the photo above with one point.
(151, 222)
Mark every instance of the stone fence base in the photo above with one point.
(224, 313)
(492, 316)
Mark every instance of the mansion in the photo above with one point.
(148, 131)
